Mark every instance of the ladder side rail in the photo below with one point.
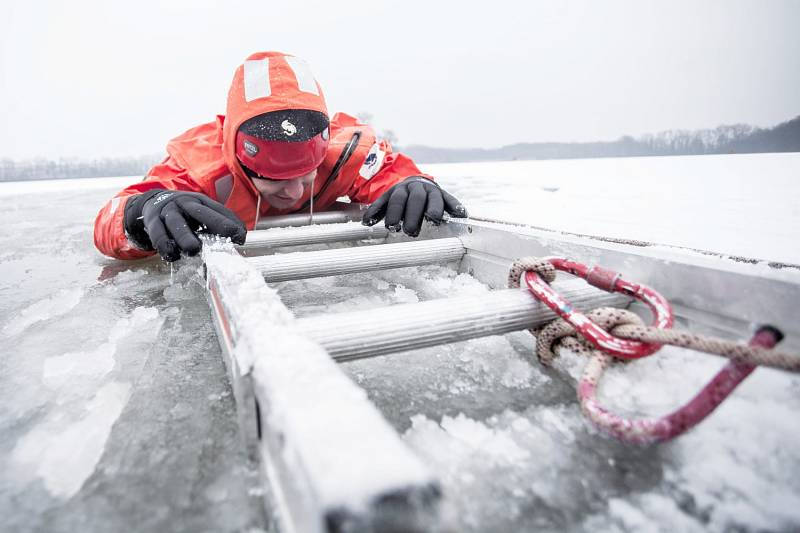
(724, 296)
(310, 419)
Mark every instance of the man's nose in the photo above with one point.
(293, 188)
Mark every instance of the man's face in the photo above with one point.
(283, 193)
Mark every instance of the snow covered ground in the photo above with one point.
(115, 412)
(746, 204)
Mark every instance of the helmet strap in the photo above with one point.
(311, 202)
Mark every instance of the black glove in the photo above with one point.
(167, 221)
(409, 201)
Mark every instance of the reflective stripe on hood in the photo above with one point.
(266, 82)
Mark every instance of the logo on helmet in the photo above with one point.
(250, 148)
(288, 128)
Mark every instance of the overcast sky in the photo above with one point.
(98, 79)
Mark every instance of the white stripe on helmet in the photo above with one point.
(256, 79)
(302, 72)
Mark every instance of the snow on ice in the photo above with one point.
(59, 304)
(329, 428)
(116, 413)
(743, 204)
(63, 457)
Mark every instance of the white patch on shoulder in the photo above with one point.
(373, 162)
(114, 205)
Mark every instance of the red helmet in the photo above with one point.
(283, 144)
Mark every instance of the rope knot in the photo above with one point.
(543, 267)
(559, 333)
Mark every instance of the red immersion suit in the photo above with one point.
(202, 159)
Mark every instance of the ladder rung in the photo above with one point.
(345, 214)
(318, 234)
(398, 328)
(301, 265)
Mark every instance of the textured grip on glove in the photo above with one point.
(168, 221)
(407, 203)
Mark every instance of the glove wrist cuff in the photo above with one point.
(133, 224)
(422, 179)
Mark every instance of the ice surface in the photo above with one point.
(116, 414)
(502, 431)
(744, 204)
(64, 369)
(330, 430)
(64, 457)
(106, 370)
(56, 305)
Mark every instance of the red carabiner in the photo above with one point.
(610, 281)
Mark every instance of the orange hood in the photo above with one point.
(265, 82)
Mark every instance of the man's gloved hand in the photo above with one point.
(409, 201)
(166, 221)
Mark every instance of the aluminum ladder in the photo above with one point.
(331, 461)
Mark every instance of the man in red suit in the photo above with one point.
(274, 151)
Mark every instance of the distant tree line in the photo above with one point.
(40, 169)
(736, 139)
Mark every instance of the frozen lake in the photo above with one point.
(746, 205)
(115, 411)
